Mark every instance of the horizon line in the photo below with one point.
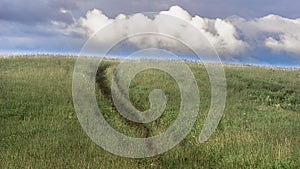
(235, 64)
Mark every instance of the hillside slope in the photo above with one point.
(39, 128)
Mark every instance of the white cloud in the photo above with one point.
(94, 21)
(272, 31)
(287, 42)
(178, 12)
(220, 33)
(233, 36)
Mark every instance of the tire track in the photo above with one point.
(106, 91)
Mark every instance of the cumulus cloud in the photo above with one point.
(272, 31)
(232, 36)
(287, 42)
(220, 33)
(94, 21)
(65, 26)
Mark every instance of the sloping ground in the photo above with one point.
(39, 128)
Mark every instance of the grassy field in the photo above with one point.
(39, 128)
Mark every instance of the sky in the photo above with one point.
(242, 31)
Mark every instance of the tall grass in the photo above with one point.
(39, 128)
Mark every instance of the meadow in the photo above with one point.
(39, 127)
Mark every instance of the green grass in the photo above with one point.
(39, 128)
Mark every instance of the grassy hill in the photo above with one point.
(39, 128)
